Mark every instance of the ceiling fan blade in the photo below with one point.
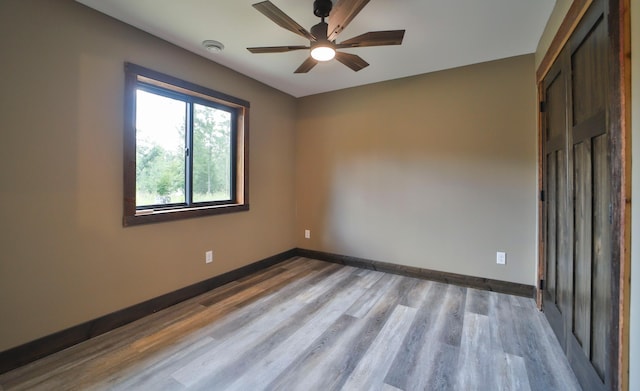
(276, 49)
(342, 14)
(274, 13)
(374, 38)
(352, 61)
(306, 66)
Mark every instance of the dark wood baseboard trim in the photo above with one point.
(34, 350)
(488, 284)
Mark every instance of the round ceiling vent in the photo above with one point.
(213, 46)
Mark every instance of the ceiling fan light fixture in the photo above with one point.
(323, 53)
(322, 49)
(322, 42)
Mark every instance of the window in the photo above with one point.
(184, 149)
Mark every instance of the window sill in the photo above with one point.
(150, 216)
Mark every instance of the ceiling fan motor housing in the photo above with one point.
(322, 8)
(319, 31)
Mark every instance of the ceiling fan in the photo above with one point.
(323, 35)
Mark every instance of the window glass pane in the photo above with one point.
(211, 154)
(160, 149)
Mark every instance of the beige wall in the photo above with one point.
(64, 256)
(436, 171)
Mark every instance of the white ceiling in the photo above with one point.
(440, 34)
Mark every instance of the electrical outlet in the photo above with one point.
(307, 234)
(501, 258)
(208, 256)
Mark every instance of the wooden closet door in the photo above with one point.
(577, 210)
(588, 334)
(556, 210)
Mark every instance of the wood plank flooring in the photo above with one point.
(310, 325)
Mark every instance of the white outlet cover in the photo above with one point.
(208, 256)
(307, 234)
(501, 258)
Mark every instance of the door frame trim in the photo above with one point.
(619, 123)
(574, 15)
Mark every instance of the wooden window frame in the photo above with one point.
(135, 76)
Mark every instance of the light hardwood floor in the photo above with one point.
(310, 325)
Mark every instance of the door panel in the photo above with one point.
(587, 342)
(589, 70)
(602, 227)
(582, 245)
(555, 211)
(552, 228)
